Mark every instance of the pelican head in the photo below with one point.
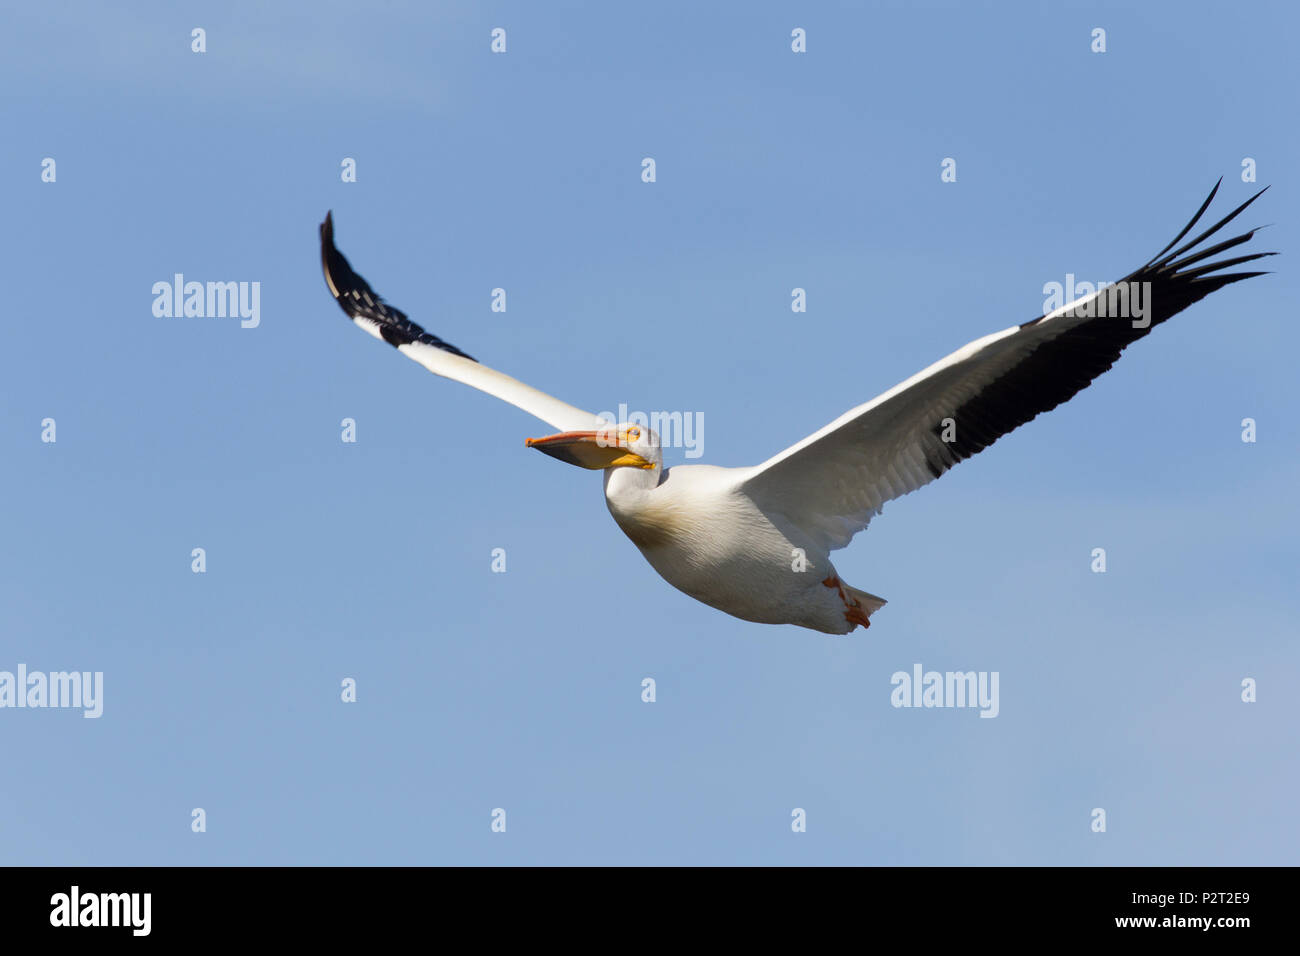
(614, 446)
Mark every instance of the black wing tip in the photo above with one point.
(359, 301)
(1228, 278)
(335, 267)
(1061, 366)
(1161, 259)
(1166, 260)
(1215, 190)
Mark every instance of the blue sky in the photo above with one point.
(521, 690)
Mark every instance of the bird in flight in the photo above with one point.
(755, 542)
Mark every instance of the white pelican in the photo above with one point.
(734, 538)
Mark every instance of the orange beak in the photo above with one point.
(594, 449)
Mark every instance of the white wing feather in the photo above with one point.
(833, 482)
(389, 324)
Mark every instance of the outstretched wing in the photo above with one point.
(833, 482)
(383, 321)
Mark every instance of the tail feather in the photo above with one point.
(869, 602)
